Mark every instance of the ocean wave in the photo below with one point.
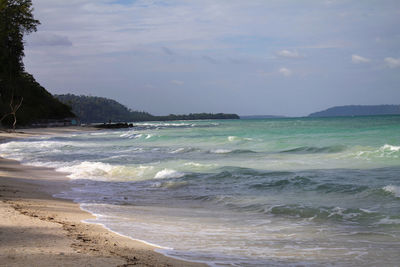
(391, 148)
(354, 215)
(131, 135)
(199, 165)
(18, 145)
(104, 171)
(297, 181)
(385, 151)
(182, 150)
(231, 151)
(170, 184)
(395, 190)
(233, 138)
(311, 149)
(388, 220)
(341, 188)
(168, 173)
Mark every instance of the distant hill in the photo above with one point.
(358, 111)
(93, 109)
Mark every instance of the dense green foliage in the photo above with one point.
(17, 86)
(92, 109)
(358, 111)
(16, 19)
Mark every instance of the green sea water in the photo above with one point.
(262, 192)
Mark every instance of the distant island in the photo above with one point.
(358, 110)
(93, 109)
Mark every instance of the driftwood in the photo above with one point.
(14, 109)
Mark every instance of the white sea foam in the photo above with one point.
(194, 164)
(179, 150)
(221, 151)
(236, 138)
(388, 221)
(131, 135)
(168, 173)
(395, 190)
(232, 138)
(12, 146)
(390, 148)
(98, 133)
(385, 151)
(105, 171)
(86, 169)
(165, 124)
(182, 150)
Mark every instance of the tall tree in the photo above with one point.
(16, 20)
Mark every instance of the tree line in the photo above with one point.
(94, 109)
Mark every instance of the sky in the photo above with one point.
(275, 57)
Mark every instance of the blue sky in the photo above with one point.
(248, 57)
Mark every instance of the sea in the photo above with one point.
(254, 192)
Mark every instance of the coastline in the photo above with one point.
(38, 229)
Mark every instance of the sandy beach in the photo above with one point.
(37, 229)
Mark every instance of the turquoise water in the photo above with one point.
(240, 192)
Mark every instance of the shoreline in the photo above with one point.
(42, 230)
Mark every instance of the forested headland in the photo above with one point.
(93, 109)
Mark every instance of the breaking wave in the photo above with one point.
(395, 190)
(168, 173)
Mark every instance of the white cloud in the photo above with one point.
(289, 54)
(359, 59)
(177, 82)
(48, 39)
(285, 71)
(392, 62)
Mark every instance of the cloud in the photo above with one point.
(167, 51)
(210, 59)
(392, 62)
(177, 82)
(48, 39)
(285, 71)
(289, 54)
(359, 59)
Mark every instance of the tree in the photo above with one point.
(16, 20)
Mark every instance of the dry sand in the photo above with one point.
(37, 229)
